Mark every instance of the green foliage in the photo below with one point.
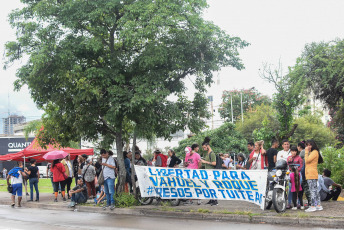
(321, 67)
(311, 127)
(124, 200)
(32, 127)
(97, 66)
(91, 64)
(334, 161)
(250, 98)
(288, 97)
(223, 139)
(259, 123)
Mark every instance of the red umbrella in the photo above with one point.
(54, 155)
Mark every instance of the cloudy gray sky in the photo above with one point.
(276, 29)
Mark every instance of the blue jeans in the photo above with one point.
(78, 198)
(34, 182)
(109, 189)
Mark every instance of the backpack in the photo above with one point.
(163, 160)
(219, 161)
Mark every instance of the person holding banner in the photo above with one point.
(209, 161)
(258, 159)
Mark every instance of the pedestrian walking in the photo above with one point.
(33, 173)
(16, 176)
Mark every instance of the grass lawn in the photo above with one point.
(44, 186)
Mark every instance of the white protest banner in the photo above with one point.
(173, 183)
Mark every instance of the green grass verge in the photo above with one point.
(44, 186)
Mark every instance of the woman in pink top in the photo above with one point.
(192, 158)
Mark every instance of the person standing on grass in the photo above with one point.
(109, 166)
(33, 173)
(69, 172)
(312, 155)
(4, 173)
(16, 175)
(59, 178)
(89, 175)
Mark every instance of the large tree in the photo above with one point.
(321, 67)
(94, 65)
(289, 96)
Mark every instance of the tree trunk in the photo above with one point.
(122, 173)
(133, 173)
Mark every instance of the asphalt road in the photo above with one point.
(35, 219)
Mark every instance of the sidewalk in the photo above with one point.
(331, 217)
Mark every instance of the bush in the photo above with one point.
(334, 161)
(311, 127)
(223, 139)
(124, 200)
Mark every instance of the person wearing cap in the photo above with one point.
(89, 175)
(160, 159)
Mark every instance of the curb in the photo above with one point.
(289, 221)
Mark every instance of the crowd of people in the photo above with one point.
(95, 179)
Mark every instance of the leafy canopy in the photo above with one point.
(223, 140)
(94, 64)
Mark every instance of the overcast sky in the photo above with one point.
(276, 29)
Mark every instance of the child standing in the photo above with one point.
(296, 189)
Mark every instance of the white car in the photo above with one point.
(42, 171)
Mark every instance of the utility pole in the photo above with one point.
(242, 109)
(210, 98)
(232, 108)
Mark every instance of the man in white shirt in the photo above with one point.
(285, 153)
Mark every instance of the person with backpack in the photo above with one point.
(88, 176)
(312, 158)
(209, 161)
(160, 159)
